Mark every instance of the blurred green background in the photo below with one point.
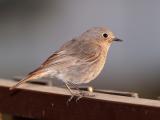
(31, 30)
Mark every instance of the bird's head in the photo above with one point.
(100, 35)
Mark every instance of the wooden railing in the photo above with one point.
(50, 103)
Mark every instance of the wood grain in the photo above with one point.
(49, 103)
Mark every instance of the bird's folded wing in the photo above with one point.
(73, 52)
(74, 49)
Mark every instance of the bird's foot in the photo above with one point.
(84, 94)
(72, 96)
(69, 100)
(80, 95)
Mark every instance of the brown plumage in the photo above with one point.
(77, 61)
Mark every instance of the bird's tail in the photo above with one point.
(32, 76)
(19, 83)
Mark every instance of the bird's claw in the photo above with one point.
(80, 95)
(69, 100)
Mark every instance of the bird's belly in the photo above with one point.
(79, 74)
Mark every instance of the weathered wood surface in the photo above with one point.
(49, 103)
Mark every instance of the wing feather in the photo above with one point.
(72, 51)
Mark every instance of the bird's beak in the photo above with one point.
(117, 39)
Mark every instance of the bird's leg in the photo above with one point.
(81, 92)
(72, 94)
(69, 89)
(74, 86)
(79, 95)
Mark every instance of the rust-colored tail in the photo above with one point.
(19, 83)
(31, 76)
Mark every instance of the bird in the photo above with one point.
(78, 61)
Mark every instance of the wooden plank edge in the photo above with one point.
(98, 96)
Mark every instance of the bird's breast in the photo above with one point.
(96, 68)
(83, 69)
(88, 71)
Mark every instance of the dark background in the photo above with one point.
(31, 30)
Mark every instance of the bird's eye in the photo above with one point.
(105, 35)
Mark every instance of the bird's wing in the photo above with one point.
(61, 53)
(75, 52)
(83, 51)
(55, 57)
(58, 56)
